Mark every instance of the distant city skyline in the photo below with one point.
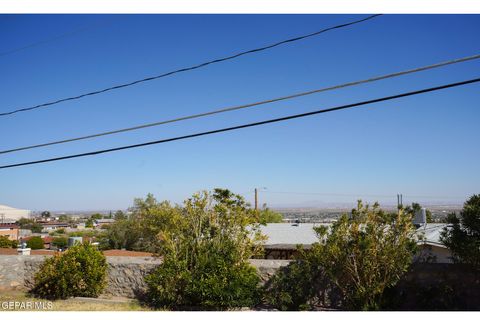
(418, 146)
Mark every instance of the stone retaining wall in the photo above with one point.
(125, 274)
(424, 287)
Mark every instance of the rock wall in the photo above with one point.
(425, 287)
(125, 274)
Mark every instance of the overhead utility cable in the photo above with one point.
(188, 68)
(355, 195)
(64, 35)
(249, 105)
(253, 124)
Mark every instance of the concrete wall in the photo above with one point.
(125, 274)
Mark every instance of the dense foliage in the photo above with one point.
(462, 236)
(205, 246)
(60, 242)
(352, 264)
(30, 224)
(80, 271)
(5, 242)
(266, 215)
(35, 243)
(300, 285)
(366, 253)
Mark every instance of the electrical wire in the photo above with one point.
(253, 124)
(249, 105)
(189, 68)
(63, 35)
(355, 195)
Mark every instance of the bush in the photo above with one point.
(353, 263)
(5, 242)
(60, 242)
(206, 254)
(35, 243)
(367, 253)
(80, 271)
(301, 285)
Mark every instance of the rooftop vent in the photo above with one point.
(420, 218)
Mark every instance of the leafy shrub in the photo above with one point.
(35, 243)
(206, 252)
(60, 242)
(366, 253)
(300, 285)
(266, 215)
(5, 242)
(80, 271)
(352, 264)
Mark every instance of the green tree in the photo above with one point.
(60, 242)
(366, 254)
(96, 216)
(120, 215)
(30, 224)
(5, 242)
(140, 230)
(35, 243)
(267, 215)
(462, 235)
(206, 251)
(89, 223)
(64, 218)
(46, 214)
(415, 207)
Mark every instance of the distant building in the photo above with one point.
(10, 230)
(104, 222)
(53, 225)
(9, 214)
(284, 238)
(431, 248)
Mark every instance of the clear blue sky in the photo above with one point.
(424, 145)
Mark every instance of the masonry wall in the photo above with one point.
(125, 274)
(425, 287)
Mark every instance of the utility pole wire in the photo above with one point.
(190, 68)
(66, 34)
(249, 105)
(253, 124)
(361, 195)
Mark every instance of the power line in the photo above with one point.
(209, 113)
(253, 124)
(190, 68)
(356, 195)
(63, 35)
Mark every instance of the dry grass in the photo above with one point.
(73, 304)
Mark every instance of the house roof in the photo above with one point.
(431, 232)
(289, 235)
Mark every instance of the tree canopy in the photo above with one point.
(462, 235)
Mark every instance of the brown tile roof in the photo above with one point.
(9, 226)
(125, 253)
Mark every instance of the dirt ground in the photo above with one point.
(20, 301)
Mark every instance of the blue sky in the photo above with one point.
(424, 147)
